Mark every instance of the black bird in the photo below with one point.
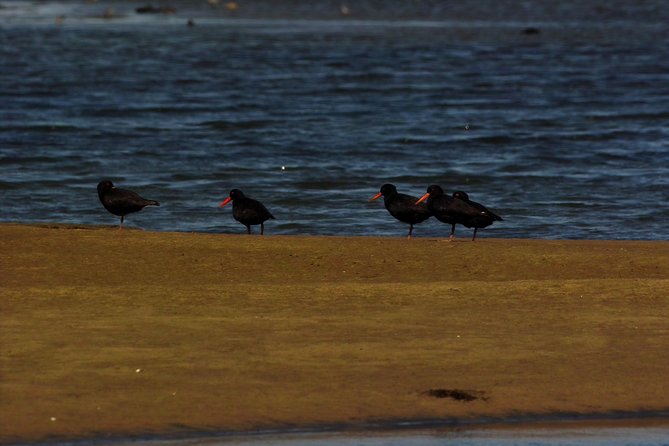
(444, 207)
(121, 202)
(403, 207)
(480, 217)
(248, 211)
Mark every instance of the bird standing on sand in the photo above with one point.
(121, 202)
(444, 207)
(248, 211)
(480, 217)
(403, 207)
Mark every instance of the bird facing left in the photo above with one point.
(247, 211)
(121, 202)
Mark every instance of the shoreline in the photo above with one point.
(591, 424)
(463, 236)
(520, 423)
(558, 423)
(114, 334)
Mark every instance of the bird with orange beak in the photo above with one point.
(442, 206)
(457, 209)
(247, 211)
(403, 207)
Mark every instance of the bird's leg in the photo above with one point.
(248, 229)
(410, 230)
(120, 226)
(474, 238)
(262, 228)
(452, 236)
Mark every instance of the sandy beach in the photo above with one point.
(108, 332)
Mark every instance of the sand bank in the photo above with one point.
(126, 333)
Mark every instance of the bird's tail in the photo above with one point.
(492, 215)
(152, 203)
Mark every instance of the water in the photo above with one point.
(588, 436)
(564, 133)
(571, 437)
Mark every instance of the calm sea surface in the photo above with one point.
(649, 436)
(553, 113)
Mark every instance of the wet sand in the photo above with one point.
(131, 333)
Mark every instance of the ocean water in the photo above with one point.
(573, 436)
(553, 113)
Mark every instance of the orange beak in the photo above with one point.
(423, 198)
(227, 200)
(375, 197)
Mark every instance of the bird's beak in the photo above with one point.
(423, 198)
(227, 200)
(375, 197)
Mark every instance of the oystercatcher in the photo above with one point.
(121, 202)
(444, 207)
(403, 207)
(248, 211)
(480, 217)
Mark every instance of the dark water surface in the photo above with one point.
(587, 436)
(563, 129)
